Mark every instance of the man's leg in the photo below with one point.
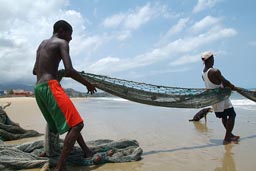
(225, 124)
(51, 143)
(229, 125)
(69, 142)
(86, 150)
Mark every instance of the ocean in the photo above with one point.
(241, 102)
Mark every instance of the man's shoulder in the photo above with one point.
(57, 40)
(60, 42)
(214, 70)
(54, 41)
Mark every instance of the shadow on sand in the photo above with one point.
(213, 143)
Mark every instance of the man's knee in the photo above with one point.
(79, 126)
(232, 117)
(232, 113)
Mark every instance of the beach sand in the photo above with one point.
(168, 139)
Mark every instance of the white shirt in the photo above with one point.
(221, 106)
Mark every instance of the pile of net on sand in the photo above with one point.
(10, 130)
(25, 156)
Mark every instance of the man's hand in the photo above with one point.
(91, 89)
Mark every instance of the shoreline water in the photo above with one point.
(168, 140)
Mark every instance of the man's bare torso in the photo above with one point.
(48, 59)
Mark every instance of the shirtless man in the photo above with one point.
(58, 110)
(224, 109)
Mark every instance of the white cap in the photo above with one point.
(206, 55)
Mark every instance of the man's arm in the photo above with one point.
(35, 66)
(71, 72)
(36, 62)
(223, 80)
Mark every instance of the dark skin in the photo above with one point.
(49, 54)
(215, 75)
(217, 78)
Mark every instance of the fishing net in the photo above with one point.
(158, 95)
(26, 156)
(10, 130)
(250, 94)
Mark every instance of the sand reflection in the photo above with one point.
(228, 163)
(201, 127)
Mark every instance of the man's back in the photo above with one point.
(48, 59)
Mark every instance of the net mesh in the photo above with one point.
(157, 95)
(250, 94)
(25, 156)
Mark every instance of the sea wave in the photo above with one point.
(237, 102)
(243, 102)
(111, 99)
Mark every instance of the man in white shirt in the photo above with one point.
(224, 109)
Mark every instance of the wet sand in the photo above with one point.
(168, 139)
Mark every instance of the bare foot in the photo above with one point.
(100, 157)
(229, 141)
(97, 159)
(42, 154)
(235, 138)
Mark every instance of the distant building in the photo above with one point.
(22, 93)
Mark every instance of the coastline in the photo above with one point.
(168, 140)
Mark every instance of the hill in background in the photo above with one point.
(71, 92)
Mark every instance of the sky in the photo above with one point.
(158, 42)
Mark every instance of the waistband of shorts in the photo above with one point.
(46, 83)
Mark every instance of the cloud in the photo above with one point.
(125, 23)
(187, 59)
(114, 21)
(168, 51)
(24, 24)
(124, 35)
(203, 5)
(102, 64)
(85, 45)
(182, 23)
(133, 19)
(5, 42)
(141, 16)
(181, 46)
(13, 11)
(205, 23)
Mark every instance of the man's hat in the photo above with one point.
(206, 55)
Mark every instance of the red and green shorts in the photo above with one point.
(57, 108)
